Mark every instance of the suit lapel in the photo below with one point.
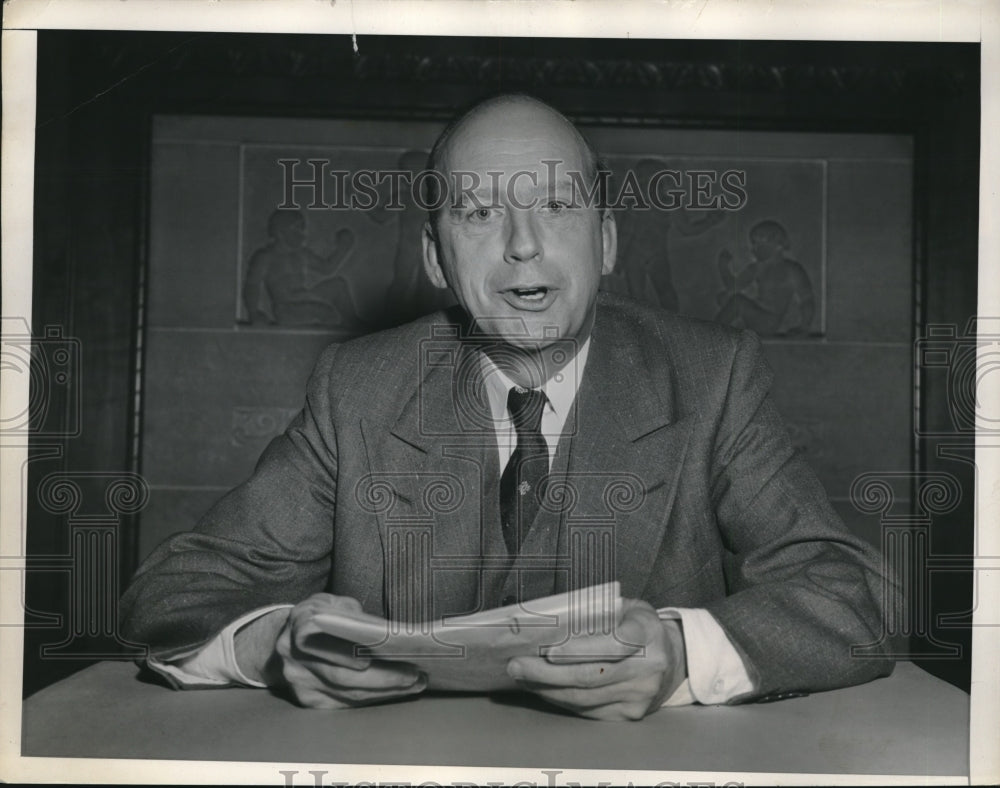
(429, 467)
(626, 457)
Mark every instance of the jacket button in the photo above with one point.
(510, 599)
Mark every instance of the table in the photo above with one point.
(909, 723)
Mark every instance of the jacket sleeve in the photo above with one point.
(267, 542)
(801, 589)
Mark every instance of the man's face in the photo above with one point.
(520, 256)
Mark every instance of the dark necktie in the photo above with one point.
(522, 482)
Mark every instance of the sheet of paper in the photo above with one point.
(471, 652)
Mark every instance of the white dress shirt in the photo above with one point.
(716, 672)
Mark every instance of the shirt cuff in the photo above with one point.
(716, 673)
(213, 665)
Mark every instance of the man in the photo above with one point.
(740, 581)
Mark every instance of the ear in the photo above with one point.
(432, 263)
(609, 242)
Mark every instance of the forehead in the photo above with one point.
(514, 136)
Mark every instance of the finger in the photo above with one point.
(627, 639)
(379, 676)
(315, 699)
(617, 712)
(348, 603)
(365, 697)
(313, 644)
(629, 636)
(313, 694)
(303, 643)
(310, 639)
(542, 673)
(641, 691)
(324, 603)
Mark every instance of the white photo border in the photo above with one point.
(870, 20)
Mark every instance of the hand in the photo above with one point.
(321, 671)
(622, 676)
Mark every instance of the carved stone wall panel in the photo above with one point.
(870, 206)
(739, 240)
(193, 239)
(215, 399)
(308, 258)
(743, 242)
(847, 405)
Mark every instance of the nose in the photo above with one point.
(523, 243)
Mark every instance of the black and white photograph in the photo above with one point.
(426, 393)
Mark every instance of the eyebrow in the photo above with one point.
(487, 193)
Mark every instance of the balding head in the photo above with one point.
(510, 117)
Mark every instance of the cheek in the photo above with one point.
(580, 232)
(466, 282)
(471, 261)
(582, 256)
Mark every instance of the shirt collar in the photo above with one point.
(560, 390)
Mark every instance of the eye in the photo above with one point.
(555, 207)
(480, 215)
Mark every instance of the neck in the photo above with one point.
(532, 368)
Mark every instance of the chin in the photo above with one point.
(543, 333)
(520, 331)
(530, 342)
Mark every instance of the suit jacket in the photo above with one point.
(675, 475)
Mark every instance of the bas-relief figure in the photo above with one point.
(643, 269)
(665, 256)
(288, 284)
(771, 294)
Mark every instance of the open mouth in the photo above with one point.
(535, 294)
(531, 299)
